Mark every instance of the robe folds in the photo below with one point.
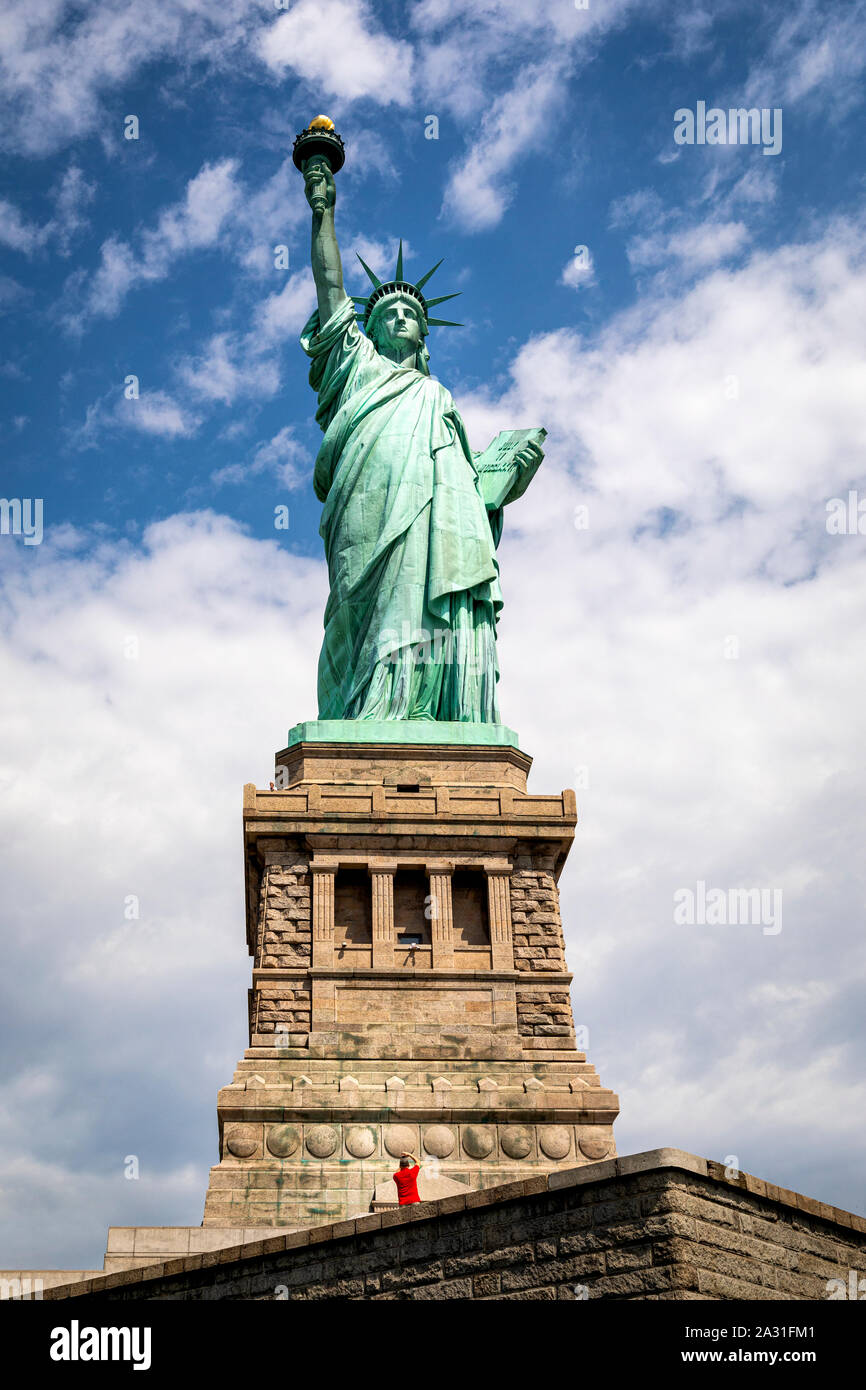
(410, 622)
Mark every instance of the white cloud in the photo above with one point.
(122, 688)
(17, 232)
(696, 247)
(706, 520)
(283, 314)
(192, 224)
(59, 60)
(225, 371)
(285, 458)
(814, 54)
(468, 53)
(579, 272)
(282, 456)
(708, 231)
(73, 194)
(480, 188)
(234, 365)
(758, 185)
(267, 217)
(692, 31)
(155, 413)
(339, 49)
(373, 156)
(195, 223)
(651, 396)
(118, 272)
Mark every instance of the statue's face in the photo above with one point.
(398, 325)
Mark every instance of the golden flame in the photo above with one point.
(321, 123)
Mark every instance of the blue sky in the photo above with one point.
(690, 657)
(142, 256)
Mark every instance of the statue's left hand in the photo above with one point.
(530, 453)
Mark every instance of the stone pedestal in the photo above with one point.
(410, 989)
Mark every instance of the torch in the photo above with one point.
(319, 141)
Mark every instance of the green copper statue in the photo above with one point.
(412, 516)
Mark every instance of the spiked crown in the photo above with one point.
(383, 288)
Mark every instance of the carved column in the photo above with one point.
(323, 913)
(499, 913)
(441, 915)
(384, 938)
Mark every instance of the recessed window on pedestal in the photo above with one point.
(353, 918)
(471, 919)
(414, 944)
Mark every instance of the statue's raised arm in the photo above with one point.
(321, 193)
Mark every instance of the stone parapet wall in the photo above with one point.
(659, 1225)
(30, 1284)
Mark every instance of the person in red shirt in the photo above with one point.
(406, 1178)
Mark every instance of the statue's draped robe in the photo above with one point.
(410, 623)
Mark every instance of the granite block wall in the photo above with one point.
(661, 1225)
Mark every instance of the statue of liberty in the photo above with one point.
(412, 516)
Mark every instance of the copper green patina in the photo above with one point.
(412, 515)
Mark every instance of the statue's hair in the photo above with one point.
(422, 356)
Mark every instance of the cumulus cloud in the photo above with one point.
(59, 60)
(741, 358)
(283, 456)
(227, 369)
(697, 247)
(266, 217)
(707, 231)
(283, 314)
(125, 711)
(234, 365)
(192, 224)
(62, 64)
(579, 272)
(699, 620)
(338, 47)
(468, 53)
(18, 232)
(813, 53)
(155, 413)
(481, 186)
(73, 194)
